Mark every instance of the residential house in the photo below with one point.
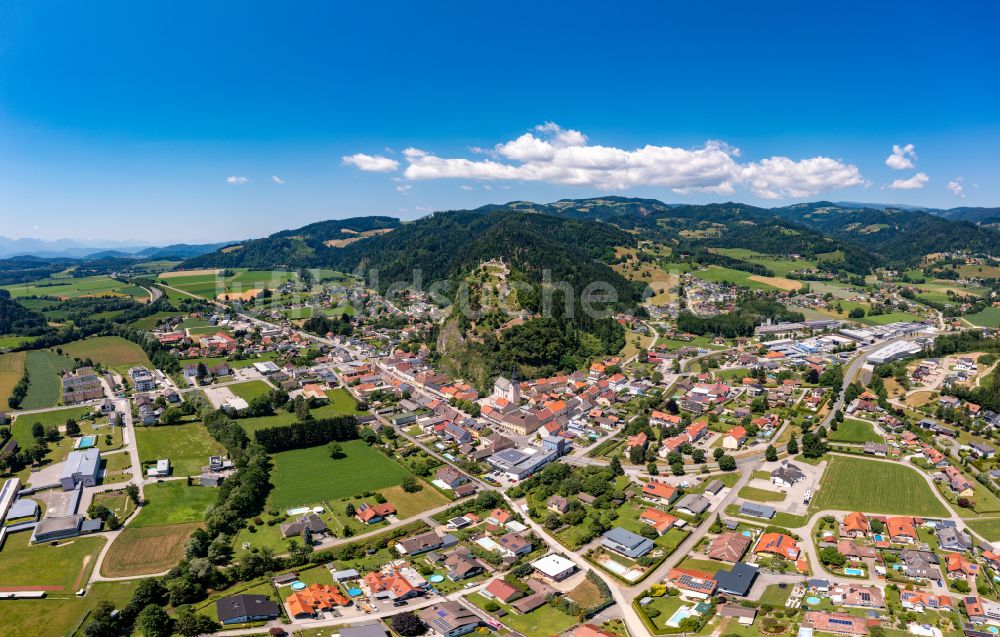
(729, 547)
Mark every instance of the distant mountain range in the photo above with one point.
(100, 248)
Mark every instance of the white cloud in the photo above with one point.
(238, 180)
(278, 180)
(902, 157)
(423, 209)
(780, 177)
(466, 187)
(955, 185)
(404, 188)
(552, 154)
(371, 163)
(913, 183)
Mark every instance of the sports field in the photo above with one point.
(62, 568)
(872, 486)
(45, 387)
(146, 550)
(11, 370)
(852, 430)
(186, 446)
(71, 288)
(309, 476)
(61, 613)
(173, 502)
(111, 351)
(250, 389)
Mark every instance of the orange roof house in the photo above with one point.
(855, 524)
(393, 585)
(657, 519)
(370, 513)
(901, 529)
(659, 491)
(314, 600)
(777, 544)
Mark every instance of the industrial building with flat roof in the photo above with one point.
(81, 467)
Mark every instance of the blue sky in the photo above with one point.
(127, 121)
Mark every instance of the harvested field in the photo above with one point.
(147, 550)
(177, 273)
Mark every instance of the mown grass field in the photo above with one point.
(63, 567)
(61, 613)
(111, 351)
(989, 528)
(74, 288)
(990, 317)
(720, 274)
(309, 476)
(21, 429)
(779, 265)
(250, 389)
(8, 342)
(11, 370)
(855, 484)
(761, 495)
(186, 446)
(852, 430)
(146, 550)
(173, 502)
(45, 387)
(341, 403)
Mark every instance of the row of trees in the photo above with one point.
(311, 433)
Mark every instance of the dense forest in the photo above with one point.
(19, 320)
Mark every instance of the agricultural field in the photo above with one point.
(855, 484)
(890, 317)
(989, 528)
(149, 322)
(11, 370)
(8, 342)
(173, 502)
(781, 266)
(856, 431)
(146, 550)
(304, 477)
(45, 387)
(974, 271)
(720, 274)
(186, 446)
(71, 288)
(990, 317)
(210, 285)
(113, 352)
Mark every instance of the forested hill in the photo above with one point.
(576, 237)
(902, 237)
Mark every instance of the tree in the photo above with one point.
(793, 446)
(832, 556)
(408, 625)
(335, 449)
(677, 468)
(616, 466)
(190, 624)
(718, 453)
(653, 469)
(132, 491)
(770, 454)
(698, 455)
(813, 446)
(727, 463)
(38, 430)
(410, 484)
(153, 621)
(856, 313)
(349, 510)
(72, 428)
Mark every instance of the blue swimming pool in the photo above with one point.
(747, 533)
(86, 442)
(680, 614)
(859, 572)
(354, 592)
(436, 578)
(298, 586)
(812, 600)
(878, 538)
